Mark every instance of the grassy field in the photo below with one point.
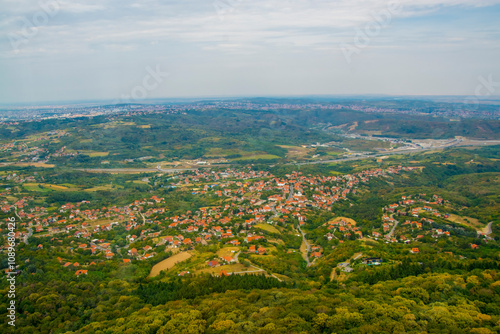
(11, 198)
(347, 220)
(169, 263)
(98, 154)
(56, 187)
(230, 268)
(228, 251)
(105, 187)
(34, 187)
(365, 145)
(90, 153)
(112, 125)
(139, 182)
(467, 221)
(268, 228)
(33, 164)
(296, 152)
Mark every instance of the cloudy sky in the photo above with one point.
(60, 50)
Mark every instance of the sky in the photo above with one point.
(124, 50)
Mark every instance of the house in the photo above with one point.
(372, 261)
(81, 272)
(474, 246)
(228, 259)
(126, 260)
(415, 250)
(213, 264)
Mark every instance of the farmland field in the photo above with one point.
(268, 228)
(169, 263)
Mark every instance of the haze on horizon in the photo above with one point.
(60, 50)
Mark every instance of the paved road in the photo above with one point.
(487, 230)
(236, 257)
(30, 233)
(143, 218)
(308, 247)
(389, 235)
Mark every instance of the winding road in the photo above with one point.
(487, 230)
(389, 235)
(308, 246)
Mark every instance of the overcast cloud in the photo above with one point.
(86, 50)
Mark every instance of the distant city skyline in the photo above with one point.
(131, 51)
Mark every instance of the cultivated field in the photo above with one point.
(268, 228)
(347, 220)
(169, 263)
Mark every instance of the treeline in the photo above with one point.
(408, 268)
(192, 287)
(433, 303)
